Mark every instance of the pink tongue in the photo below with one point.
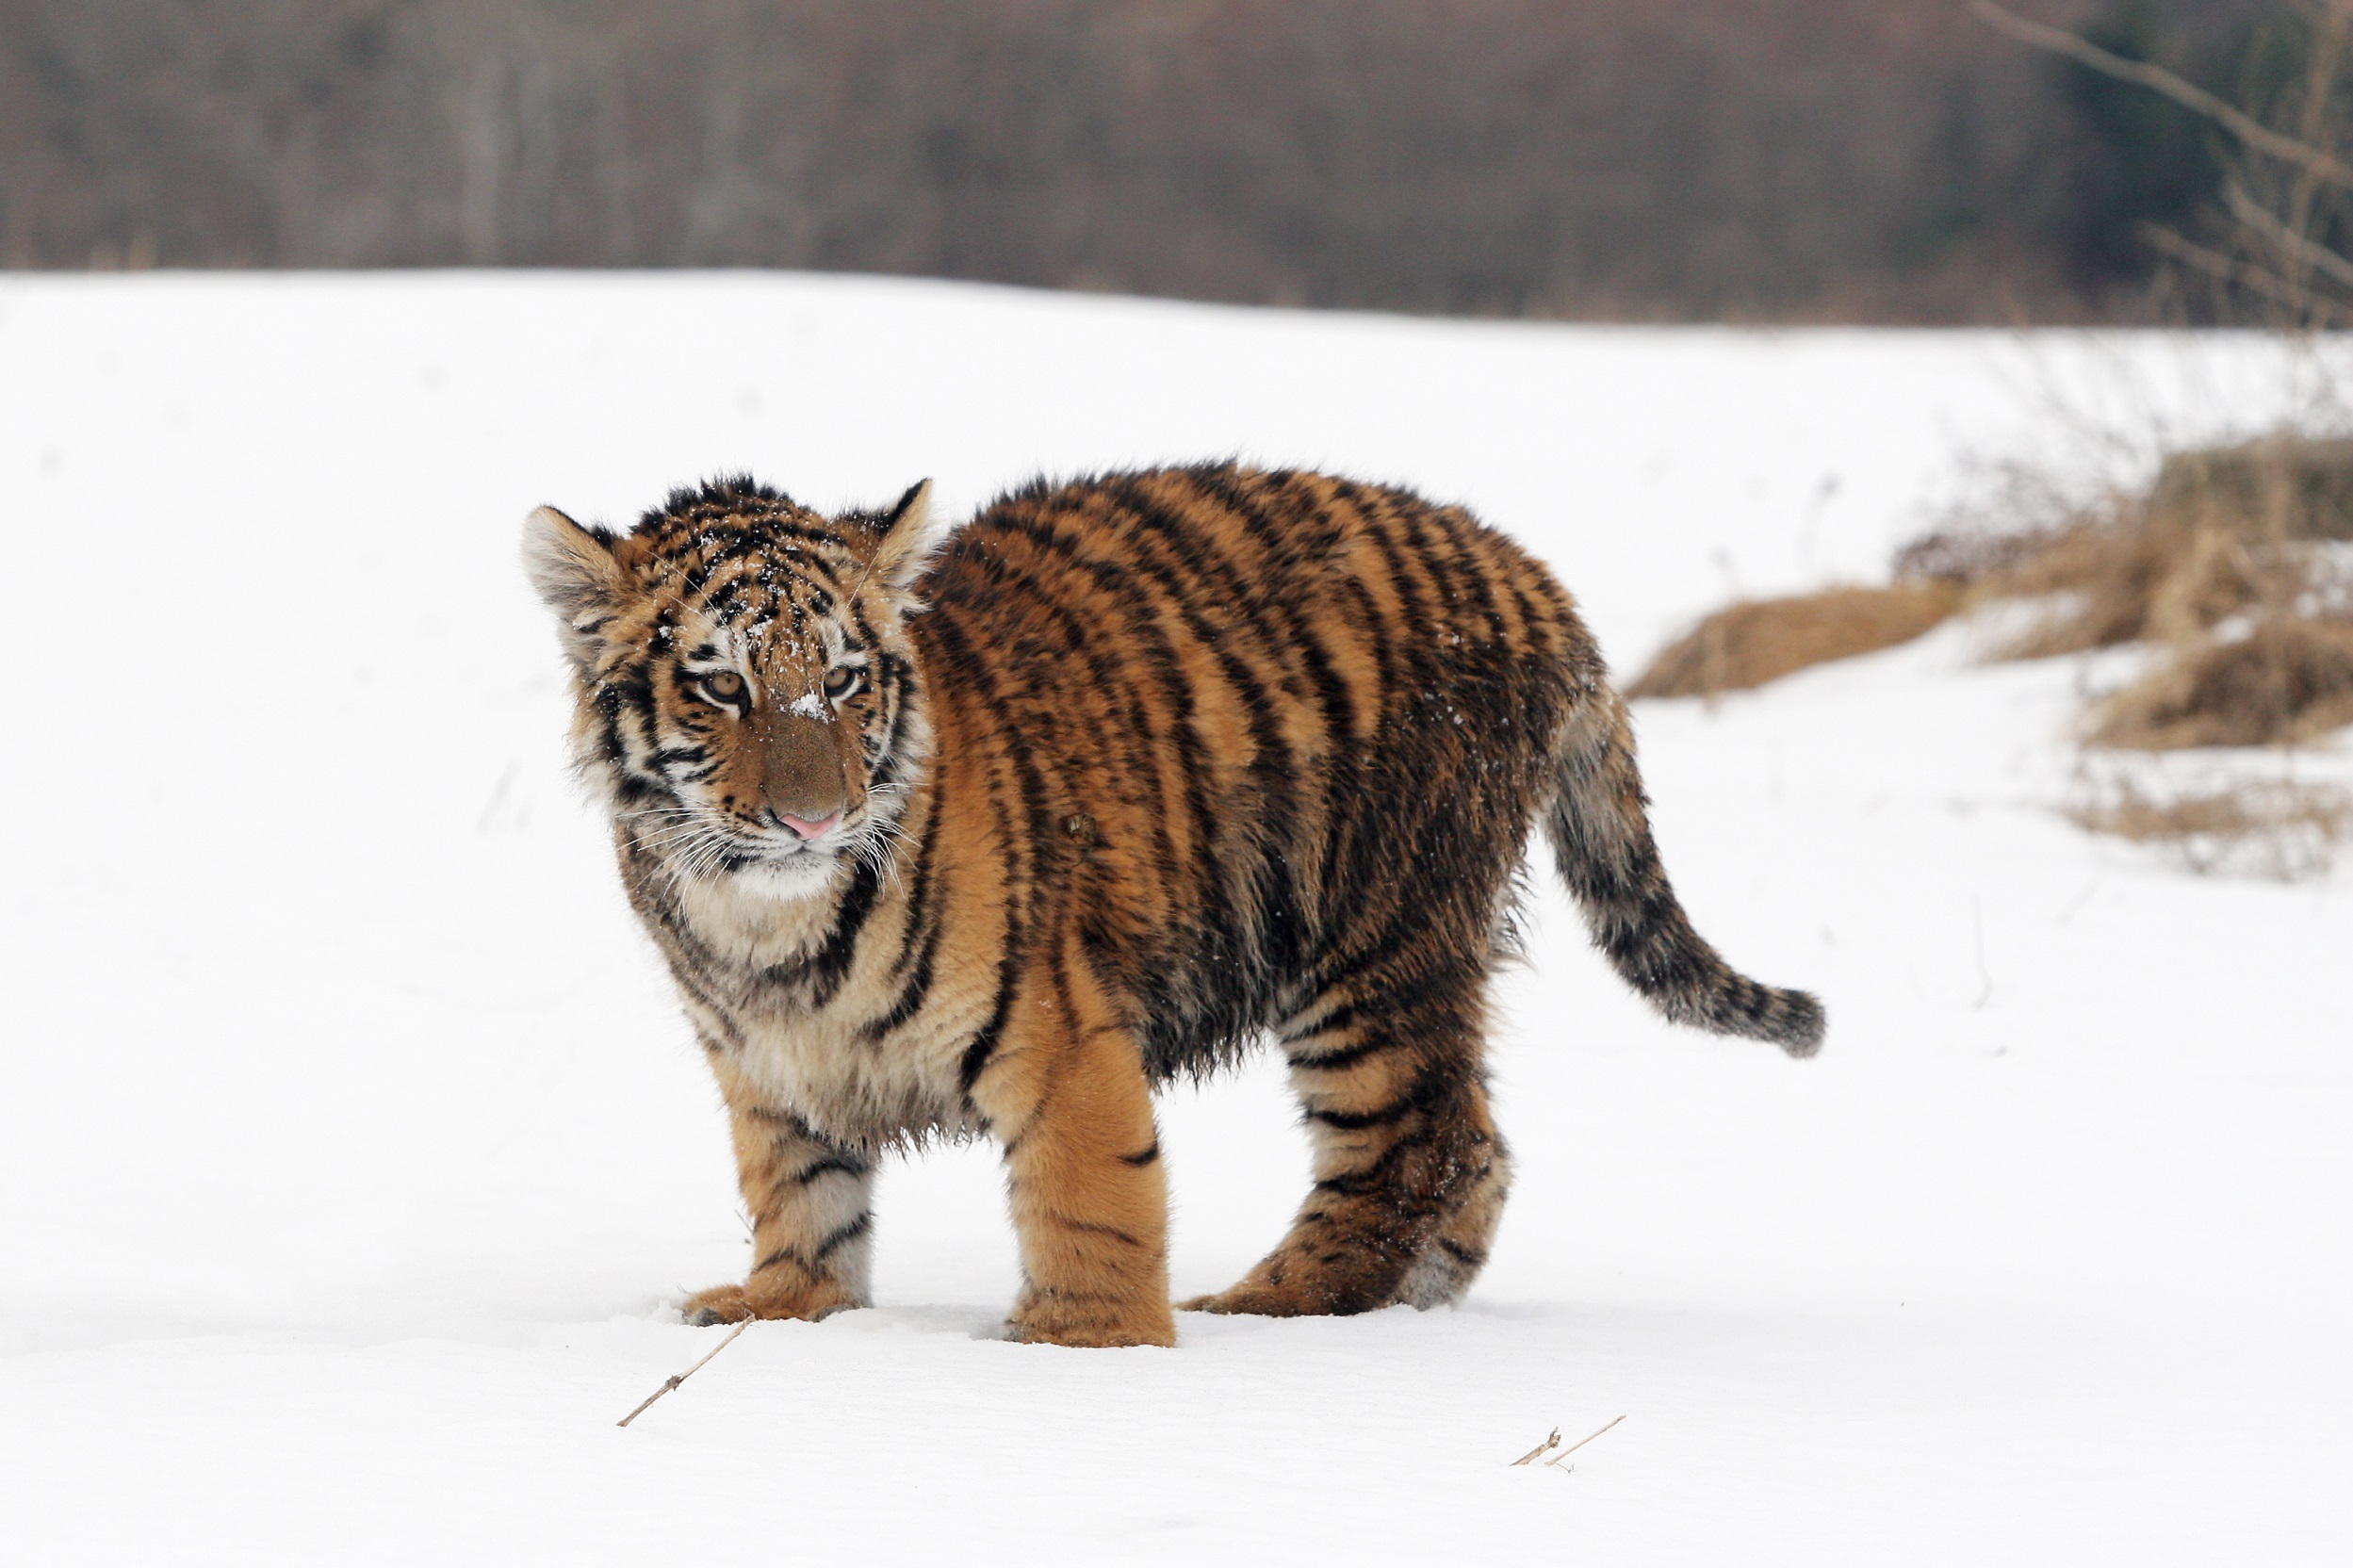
(811, 829)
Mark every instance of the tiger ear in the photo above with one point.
(909, 536)
(577, 576)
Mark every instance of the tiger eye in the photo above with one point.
(726, 685)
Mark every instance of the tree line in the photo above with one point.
(1873, 160)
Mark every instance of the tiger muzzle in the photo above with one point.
(803, 777)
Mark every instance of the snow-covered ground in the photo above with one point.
(353, 1153)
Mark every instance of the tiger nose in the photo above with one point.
(801, 773)
(808, 829)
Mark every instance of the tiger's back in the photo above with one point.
(1263, 726)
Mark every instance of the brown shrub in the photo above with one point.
(2138, 578)
(1965, 556)
(2295, 488)
(2223, 534)
(2276, 828)
(2290, 680)
(1747, 644)
(2222, 530)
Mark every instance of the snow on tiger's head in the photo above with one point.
(746, 690)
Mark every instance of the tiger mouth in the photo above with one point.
(713, 850)
(762, 857)
(740, 854)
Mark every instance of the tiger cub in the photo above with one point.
(993, 830)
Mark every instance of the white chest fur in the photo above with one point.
(822, 1057)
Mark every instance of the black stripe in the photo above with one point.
(919, 880)
(1347, 1057)
(1375, 1177)
(976, 1054)
(1351, 1121)
(1404, 934)
(845, 1236)
(832, 964)
(912, 995)
(1091, 1228)
(959, 650)
(848, 1165)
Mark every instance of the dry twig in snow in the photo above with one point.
(1541, 1448)
(1578, 1443)
(1549, 1443)
(688, 1373)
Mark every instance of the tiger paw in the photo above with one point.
(1249, 1300)
(745, 1302)
(1258, 1298)
(1045, 1319)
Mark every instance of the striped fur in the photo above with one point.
(1126, 774)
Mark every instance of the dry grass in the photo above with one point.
(2288, 681)
(2222, 531)
(2133, 579)
(2223, 560)
(1747, 644)
(2308, 479)
(2274, 828)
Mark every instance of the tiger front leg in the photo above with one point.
(1066, 1092)
(810, 1198)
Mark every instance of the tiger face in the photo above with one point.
(746, 696)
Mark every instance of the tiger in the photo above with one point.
(992, 831)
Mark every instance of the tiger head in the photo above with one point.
(745, 690)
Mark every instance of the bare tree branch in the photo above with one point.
(2320, 258)
(2255, 280)
(2322, 167)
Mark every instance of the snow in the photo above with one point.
(353, 1154)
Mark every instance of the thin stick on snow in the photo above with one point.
(1578, 1443)
(1541, 1448)
(688, 1373)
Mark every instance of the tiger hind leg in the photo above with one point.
(1410, 1173)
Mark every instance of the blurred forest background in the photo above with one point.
(1768, 160)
